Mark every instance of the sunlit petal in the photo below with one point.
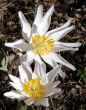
(67, 24)
(38, 59)
(26, 28)
(14, 79)
(20, 45)
(17, 86)
(43, 27)
(52, 74)
(60, 34)
(13, 95)
(49, 60)
(39, 16)
(23, 75)
(61, 60)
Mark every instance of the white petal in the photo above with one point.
(28, 101)
(52, 84)
(52, 74)
(58, 35)
(29, 56)
(26, 28)
(40, 71)
(38, 59)
(27, 69)
(62, 48)
(77, 44)
(13, 94)
(20, 45)
(34, 31)
(43, 102)
(67, 24)
(43, 27)
(37, 70)
(39, 16)
(49, 60)
(22, 58)
(51, 91)
(24, 76)
(61, 60)
(16, 80)
(43, 73)
(61, 73)
(17, 86)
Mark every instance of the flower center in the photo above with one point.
(42, 45)
(33, 88)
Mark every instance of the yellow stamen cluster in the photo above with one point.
(42, 45)
(33, 88)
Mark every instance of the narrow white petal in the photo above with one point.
(22, 58)
(77, 44)
(67, 24)
(52, 74)
(16, 80)
(61, 60)
(61, 48)
(56, 83)
(52, 84)
(38, 59)
(43, 27)
(13, 95)
(51, 91)
(24, 76)
(28, 101)
(39, 15)
(58, 35)
(20, 45)
(34, 31)
(36, 69)
(27, 69)
(58, 47)
(26, 28)
(17, 86)
(43, 102)
(61, 73)
(40, 71)
(30, 56)
(49, 60)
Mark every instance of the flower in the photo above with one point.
(34, 87)
(41, 44)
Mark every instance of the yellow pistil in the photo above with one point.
(33, 88)
(42, 45)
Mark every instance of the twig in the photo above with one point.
(52, 103)
(2, 104)
(6, 6)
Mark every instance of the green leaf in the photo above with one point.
(30, 108)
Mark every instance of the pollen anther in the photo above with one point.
(33, 88)
(42, 45)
